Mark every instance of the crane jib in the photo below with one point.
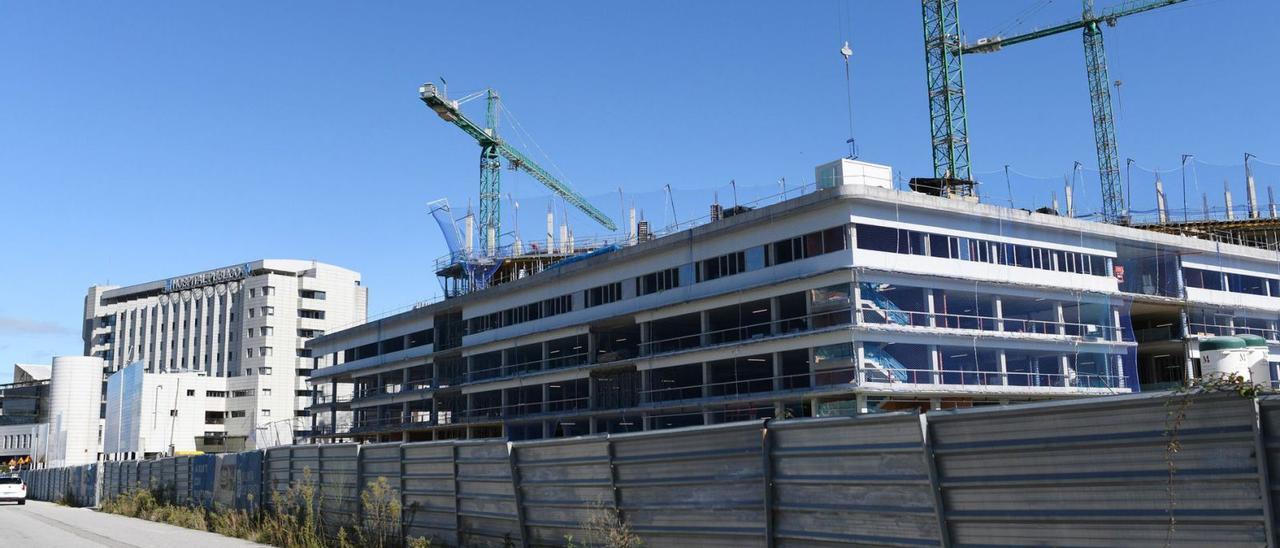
(450, 113)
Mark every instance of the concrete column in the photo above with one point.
(1062, 329)
(644, 386)
(591, 392)
(704, 326)
(862, 404)
(467, 368)
(935, 363)
(775, 315)
(505, 402)
(591, 347)
(1067, 371)
(706, 378)
(813, 375)
(929, 299)
(646, 337)
(1004, 369)
(1116, 335)
(435, 411)
(998, 305)
(856, 301)
(545, 358)
(333, 405)
(859, 357)
(777, 370)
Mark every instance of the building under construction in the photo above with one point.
(853, 298)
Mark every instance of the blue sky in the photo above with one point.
(142, 140)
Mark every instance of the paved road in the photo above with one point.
(44, 524)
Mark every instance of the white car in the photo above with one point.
(13, 489)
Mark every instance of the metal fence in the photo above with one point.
(1149, 469)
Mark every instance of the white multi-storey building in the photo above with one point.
(855, 298)
(246, 324)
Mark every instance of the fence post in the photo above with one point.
(359, 502)
(766, 453)
(613, 478)
(457, 508)
(1264, 477)
(519, 498)
(935, 484)
(404, 529)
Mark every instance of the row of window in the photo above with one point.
(747, 260)
(262, 351)
(913, 242)
(386, 346)
(520, 314)
(265, 291)
(604, 294)
(1235, 283)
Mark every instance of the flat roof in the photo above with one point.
(284, 265)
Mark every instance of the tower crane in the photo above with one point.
(492, 151)
(948, 120)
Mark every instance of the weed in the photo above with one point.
(293, 520)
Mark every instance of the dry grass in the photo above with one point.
(292, 521)
(605, 528)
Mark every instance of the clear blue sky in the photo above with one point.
(141, 140)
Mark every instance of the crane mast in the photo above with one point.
(944, 71)
(492, 151)
(941, 18)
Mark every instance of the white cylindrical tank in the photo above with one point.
(1259, 367)
(75, 395)
(1223, 356)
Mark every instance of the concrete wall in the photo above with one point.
(1082, 473)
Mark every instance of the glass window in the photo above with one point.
(876, 238)
(833, 238)
(755, 258)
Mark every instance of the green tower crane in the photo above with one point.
(492, 150)
(948, 120)
(944, 72)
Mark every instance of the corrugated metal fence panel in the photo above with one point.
(700, 486)
(146, 474)
(486, 498)
(182, 480)
(167, 474)
(336, 487)
(561, 483)
(279, 472)
(852, 481)
(380, 462)
(1093, 473)
(430, 491)
(130, 476)
(204, 471)
(249, 480)
(1269, 409)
